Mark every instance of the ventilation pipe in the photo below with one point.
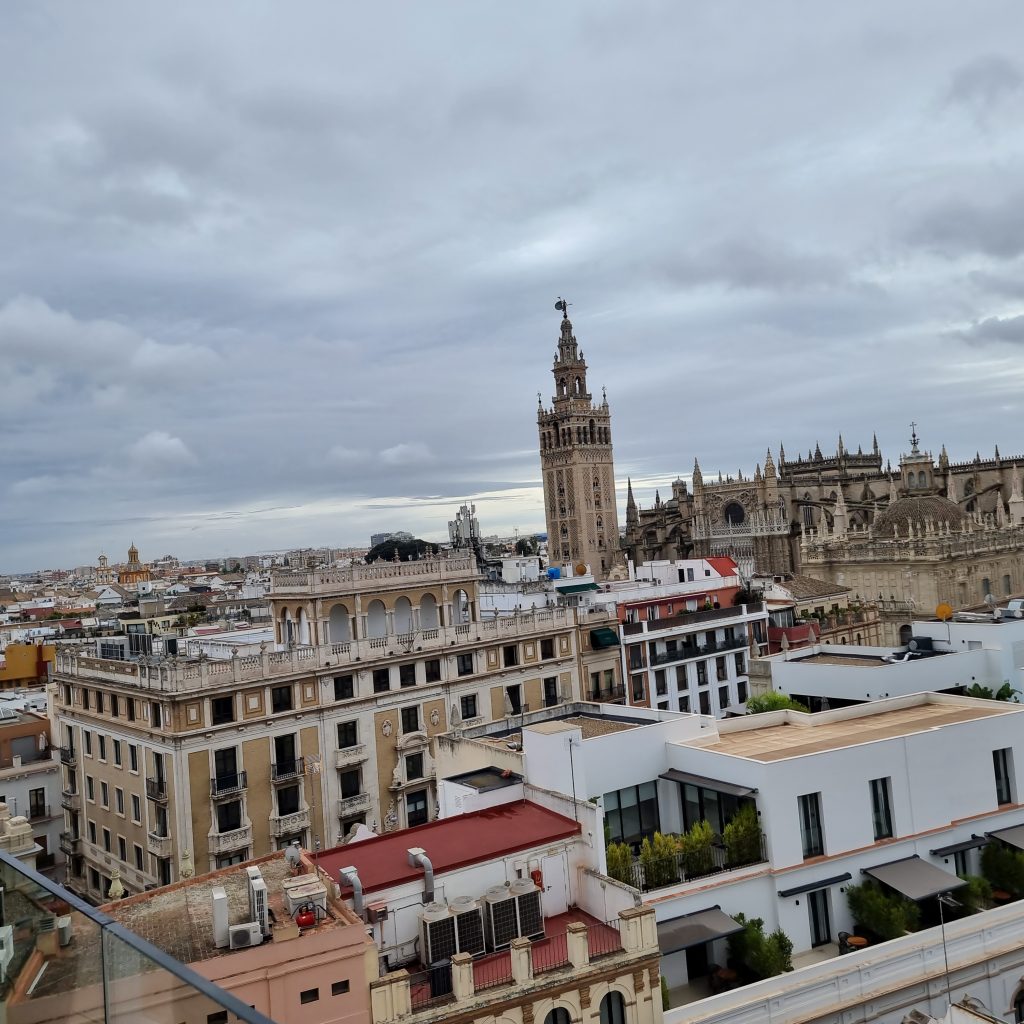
(418, 858)
(349, 876)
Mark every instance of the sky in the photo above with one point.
(284, 275)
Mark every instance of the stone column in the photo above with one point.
(578, 947)
(462, 977)
(522, 960)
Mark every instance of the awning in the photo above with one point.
(914, 878)
(967, 844)
(729, 788)
(575, 588)
(604, 637)
(1013, 836)
(814, 886)
(693, 929)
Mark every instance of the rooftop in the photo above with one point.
(847, 727)
(846, 660)
(450, 843)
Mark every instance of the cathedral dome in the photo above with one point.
(919, 511)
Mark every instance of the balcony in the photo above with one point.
(159, 846)
(228, 842)
(693, 618)
(288, 770)
(348, 805)
(70, 845)
(288, 824)
(611, 695)
(71, 801)
(69, 756)
(224, 786)
(156, 789)
(658, 872)
(350, 755)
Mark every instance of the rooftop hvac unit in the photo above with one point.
(500, 922)
(469, 925)
(219, 896)
(528, 908)
(304, 889)
(258, 905)
(437, 934)
(242, 935)
(64, 929)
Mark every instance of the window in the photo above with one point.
(550, 691)
(139, 857)
(684, 703)
(702, 673)
(90, 793)
(129, 706)
(613, 1009)
(510, 656)
(514, 699)
(37, 803)
(705, 702)
(99, 701)
(410, 719)
(381, 680)
(87, 742)
(1018, 1008)
(348, 734)
(114, 706)
(280, 699)
(119, 801)
(92, 832)
(741, 692)
(136, 809)
(156, 715)
(122, 849)
(416, 808)
(117, 753)
(220, 1017)
(881, 807)
(702, 803)
(660, 684)
(559, 1015)
(102, 745)
(350, 782)
(288, 800)
(133, 758)
(810, 825)
(723, 698)
(106, 839)
(344, 687)
(631, 814)
(229, 816)
(469, 706)
(94, 883)
(222, 710)
(414, 766)
(638, 688)
(309, 995)
(960, 865)
(407, 675)
(547, 648)
(464, 664)
(339, 988)
(1002, 761)
(432, 670)
(104, 795)
(721, 670)
(741, 664)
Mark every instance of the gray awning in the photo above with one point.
(813, 886)
(1013, 836)
(967, 844)
(914, 878)
(693, 929)
(673, 775)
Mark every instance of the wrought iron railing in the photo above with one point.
(226, 785)
(671, 869)
(432, 986)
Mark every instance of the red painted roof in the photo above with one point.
(723, 565)
(450, 843)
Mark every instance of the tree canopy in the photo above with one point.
(772, 701)
(408, 550)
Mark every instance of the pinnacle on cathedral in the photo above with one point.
(698, 479)
(769, 465)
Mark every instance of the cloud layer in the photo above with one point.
(272, 280)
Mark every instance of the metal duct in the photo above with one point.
(418, 858)
(349, 876)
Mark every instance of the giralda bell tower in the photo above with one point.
(576, 460)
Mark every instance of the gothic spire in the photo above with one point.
(698, 479)
(769, 465)
(632, 515)
(782, 454)
(874, 444)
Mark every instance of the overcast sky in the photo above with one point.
(282, 274)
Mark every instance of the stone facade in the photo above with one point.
(576, 459)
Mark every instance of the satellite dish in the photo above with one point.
(580, 569)
(944, 612)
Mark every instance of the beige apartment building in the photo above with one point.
(172, 762)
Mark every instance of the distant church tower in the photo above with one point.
(576, 460)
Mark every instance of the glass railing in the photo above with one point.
(63, 960)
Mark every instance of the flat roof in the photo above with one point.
(450, 843)
(589, 725)
(831, 730)
(484, 780)
(846, 660)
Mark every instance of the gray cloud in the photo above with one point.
(271, 280)
(996, 328)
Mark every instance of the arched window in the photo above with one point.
(922, 480)
(734, 514)
(428, 612)
(600, 523)
(613, 1009)
(1018, 1008)
(561, 386)
(579, 387)
(376, 619)
(559, 1015)
(460, 607)
(340, 625)
(593, 432)
(1007, 585)
(986, 588)
(403, 615)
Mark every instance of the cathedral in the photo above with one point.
(909, 538)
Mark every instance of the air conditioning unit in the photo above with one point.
(529, 910)
(304, 889)
(219, 897)
(501, 925)
(469, 925)
(377, 912)
(242, 935)
(64, 929)
(437, 934)
(258, 904)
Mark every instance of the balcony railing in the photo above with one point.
(71, 801)
(693, 618)
(658, 872)
(69, 756)
(288, 769)
(353, 804)
(431, 987)
(289, 824)
(350, 755)
(609, 696)
(228, 785)
(156, 789)
(70, 845)
(159, 846)
(738, 643)
(226, 842)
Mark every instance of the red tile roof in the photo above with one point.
(723, 566)
(450, 843)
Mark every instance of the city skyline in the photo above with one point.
(252, 309)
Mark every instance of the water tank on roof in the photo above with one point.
(554, 573)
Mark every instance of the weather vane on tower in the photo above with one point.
(563, 306)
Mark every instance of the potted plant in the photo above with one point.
(620, 862)
(883, 915)
(659, 858)
(697, 850)
(742, 837)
